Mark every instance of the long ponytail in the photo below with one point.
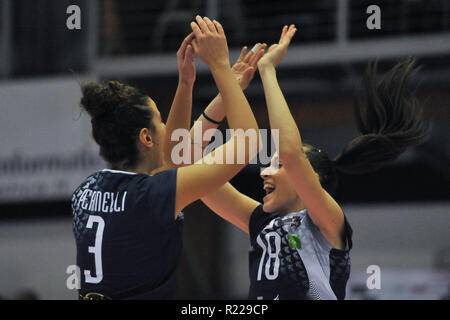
(389, 118)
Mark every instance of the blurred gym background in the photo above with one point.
(400, 215)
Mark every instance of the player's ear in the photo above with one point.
(145, 137)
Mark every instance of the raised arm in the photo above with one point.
(227, 202)
(208, 45)
(180, 112)
(322, 208)
(208, 174)
(244, 71)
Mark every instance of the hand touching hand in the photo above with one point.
(186, 63)
(210, 43)
(245, 66)
(278, 51)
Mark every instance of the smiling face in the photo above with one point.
(281, 196)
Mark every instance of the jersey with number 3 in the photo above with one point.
(290, 259)
(126, 234)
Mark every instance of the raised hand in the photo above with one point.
(245, 66)
(186, 63)
(278, 51)
(210, 43)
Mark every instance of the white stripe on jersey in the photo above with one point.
(117, 171)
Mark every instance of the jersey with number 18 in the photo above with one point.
(290, 259)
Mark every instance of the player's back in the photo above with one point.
(128, 241)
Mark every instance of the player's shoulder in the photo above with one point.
(347, 234)
(88, 181)
(161, 180)
(104, 179)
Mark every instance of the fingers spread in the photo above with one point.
(210, 25)
(219, 28)
(258, 55)
(290, 33)
(196, 29)
(250, 54)
(202, 24)
(287, 35)
(283, 33)
(242, 55)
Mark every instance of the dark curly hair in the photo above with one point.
(390, 120)
(118, 112)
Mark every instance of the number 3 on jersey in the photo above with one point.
(272, 254)
(96, 250)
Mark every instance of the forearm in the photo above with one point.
(215, 111)
(179, 116)
(280, 116)
(238, 112)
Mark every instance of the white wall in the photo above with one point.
(34, 255)
(45, 140)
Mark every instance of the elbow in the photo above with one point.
(290, 148)
(290, 155)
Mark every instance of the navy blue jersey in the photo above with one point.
(290, 259)
(128, 240)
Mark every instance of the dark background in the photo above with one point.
(320, 94)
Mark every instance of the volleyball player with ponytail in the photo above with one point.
(300, 238)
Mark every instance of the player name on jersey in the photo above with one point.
(106, 202)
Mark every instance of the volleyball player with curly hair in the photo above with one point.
(127, 219)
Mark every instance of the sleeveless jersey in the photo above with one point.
(128, 241)
(290, 259)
